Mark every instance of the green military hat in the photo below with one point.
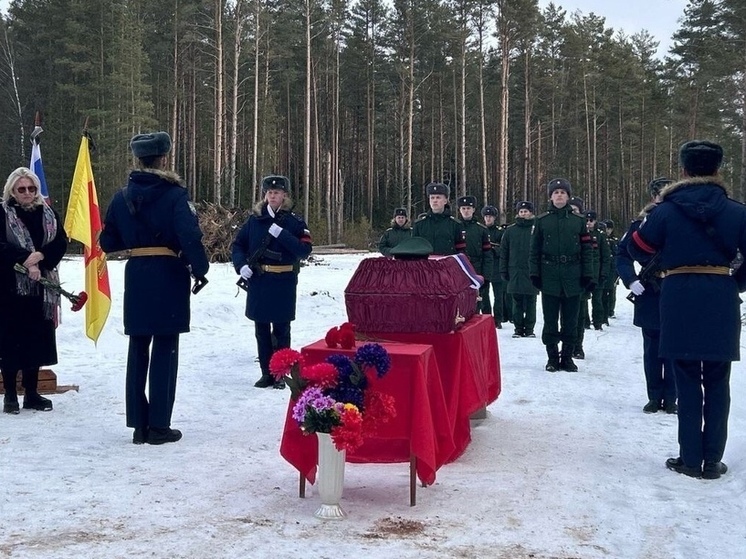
(414, 248)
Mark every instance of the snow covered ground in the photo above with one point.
(566, 465)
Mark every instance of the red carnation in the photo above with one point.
(78, 301)
(282, 362)
(332, 337)
(324, 375)
(346, 338)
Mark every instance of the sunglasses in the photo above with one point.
(24, 189)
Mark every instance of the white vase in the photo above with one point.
(330, 478)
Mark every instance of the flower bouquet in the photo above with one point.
(335, 396)
(77, 300)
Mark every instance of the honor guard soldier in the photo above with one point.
(561, 267)
(612, 279)
(266, 254)
(438, 225)
(602, 270)
(495, 233)
(153, 218)
(645, 294)
(696, 231)
(514, 270)
(478, 247)
(400, 230)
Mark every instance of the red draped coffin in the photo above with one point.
(433, 295)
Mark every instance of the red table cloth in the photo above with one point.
(422, 427)
(469, 366)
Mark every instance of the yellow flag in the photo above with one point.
(83, 223)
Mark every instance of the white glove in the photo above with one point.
(637, 288)
(275, 230)
(246, 272)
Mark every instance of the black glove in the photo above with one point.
(588, 284)
(536, 281)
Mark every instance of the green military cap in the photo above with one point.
(413, 248)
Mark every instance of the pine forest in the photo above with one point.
(361, 103)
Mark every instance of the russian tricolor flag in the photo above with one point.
(38, 169)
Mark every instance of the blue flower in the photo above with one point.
(373, 355)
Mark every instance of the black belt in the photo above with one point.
(562, 259)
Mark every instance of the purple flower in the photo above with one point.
(311, 398)
(373, 355)
(342, 363)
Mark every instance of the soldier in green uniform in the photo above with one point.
(478, 247)
(438, 226)
(612, 279)
(561, 267)
(514, 251)
(494, 233)
(399, 231)
(602, 268)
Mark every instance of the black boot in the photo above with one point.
(553, 363)
(566, 362)
(265, 381)
(162, 436)
(31, 398)
(578, 352)
(10, 401)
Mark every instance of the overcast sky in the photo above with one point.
(659, 17)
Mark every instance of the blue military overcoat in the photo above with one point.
(271, 296)
(647, 306)
(159, 214)
(696, 224)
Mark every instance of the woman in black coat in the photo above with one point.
(32, 235)
(266, 253)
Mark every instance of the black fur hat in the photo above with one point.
(656, 185)
(400, 211)
(150, 145)
(275, 182)
(591, 215)
(438, 188)
(468, 201)
(557, 184)
(609, 224)
(524, 205)
(700, 158)
(489, 210)
(578, 203)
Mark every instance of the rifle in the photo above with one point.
(253, 260)
(648, 277)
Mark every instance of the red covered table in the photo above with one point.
(469, 366)
(422, 429)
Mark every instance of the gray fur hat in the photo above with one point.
(153, 144)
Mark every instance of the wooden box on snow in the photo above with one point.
(47, 382)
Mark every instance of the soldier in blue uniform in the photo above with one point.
(153, 218)
(266, 253)
(697, 230)
(659, 377)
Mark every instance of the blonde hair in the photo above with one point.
(14, 177)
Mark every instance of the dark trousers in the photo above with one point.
(158, 367)
(598, 312)
(610, 301)
(524, 313)
(560, 311)
(29, 381)
(659, 376)
(269, 337)
(704, 403)
(583, 320)
(498, 287)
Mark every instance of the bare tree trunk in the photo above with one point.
(10, 64)
(482, 117)
(526, 121)
(255, 131)
(502, 183)
(462, 173)
(307, 130)
(175, 109)
(219, 109)
(237, 48)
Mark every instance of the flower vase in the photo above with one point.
(330, 478)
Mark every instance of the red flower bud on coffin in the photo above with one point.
(347, 338)
(332, 337)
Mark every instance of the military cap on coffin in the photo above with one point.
(489, 210)
(559, 184)
(438, 188)
(656, 185)
(150, 145)
(468, 201)
(412, 249)
(524, 205)
(275, 182)
(700, 157)
(400, 211)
